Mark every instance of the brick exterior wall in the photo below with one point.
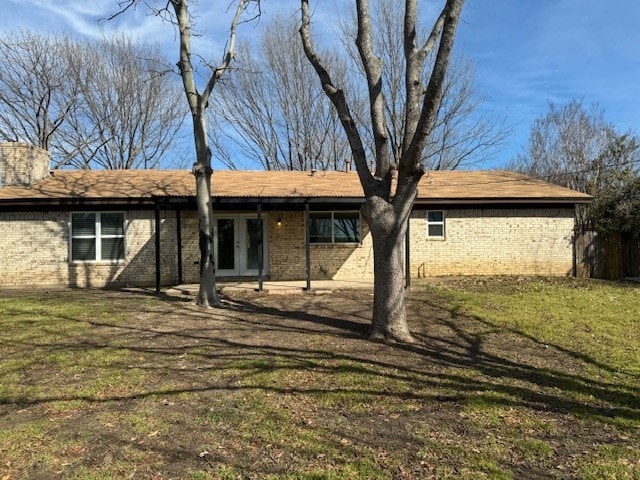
(35, 248)
(36, 252)
(476, 242)
(287, 256)
(190, 235)
(495, 242)
(22, 164)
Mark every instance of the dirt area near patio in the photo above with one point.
(289, 385)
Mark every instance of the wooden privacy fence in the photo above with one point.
(608, 257)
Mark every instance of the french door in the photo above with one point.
(237, 244)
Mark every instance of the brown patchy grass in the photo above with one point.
(511, 378)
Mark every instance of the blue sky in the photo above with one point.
(527, 52)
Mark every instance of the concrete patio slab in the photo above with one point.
(318, 287)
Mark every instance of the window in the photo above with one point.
(334, 227)
(435, 224)
(97, 236)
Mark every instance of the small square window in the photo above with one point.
(435, 224)
(83, 224)
(435, 216)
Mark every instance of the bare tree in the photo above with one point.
(568, 146)
(463, 134)
(36, 96)
(117, 127)
(385, 210)
(574, 146)
(177, 12)
(270, 110)
(82, 101)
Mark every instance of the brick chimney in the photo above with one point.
(22, 164)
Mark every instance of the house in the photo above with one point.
(131, 227)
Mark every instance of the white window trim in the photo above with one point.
(442, 223)
(98, 237)
(333, 233)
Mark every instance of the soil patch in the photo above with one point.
(289, 386)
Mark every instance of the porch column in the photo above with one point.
(157, 221)
(260, 247)
(307, 249)
(407, 255)
(179, 242)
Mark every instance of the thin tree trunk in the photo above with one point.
(207, 295)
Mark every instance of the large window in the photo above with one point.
(435, 224)
(334, 227)
(97, 236)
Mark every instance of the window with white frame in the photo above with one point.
(97, 236)
(435, 224)
(334, 227)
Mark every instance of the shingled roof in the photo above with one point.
(142, 186)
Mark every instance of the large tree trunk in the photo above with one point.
(389, 322)
(386, 211)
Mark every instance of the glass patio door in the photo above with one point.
(237, 245)
(226, 238)
(249, 257)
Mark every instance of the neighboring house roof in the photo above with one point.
(144, 186)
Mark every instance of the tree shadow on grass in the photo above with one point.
(458, 358)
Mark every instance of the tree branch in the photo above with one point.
(123, 6)
(414, 60)
(373, 70)
(433, 94)
(228, 55)
(338, 99)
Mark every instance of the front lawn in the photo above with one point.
(511, 378)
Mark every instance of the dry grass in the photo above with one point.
(513, 378)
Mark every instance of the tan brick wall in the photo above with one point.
(477, 242)
(495, 242)
(35, 248)
(22, 164)
(36, 252)
(338, 261)
(190, 247)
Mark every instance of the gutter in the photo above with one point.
(172, 202)
(46, 203)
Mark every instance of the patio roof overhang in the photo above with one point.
(270, 203)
